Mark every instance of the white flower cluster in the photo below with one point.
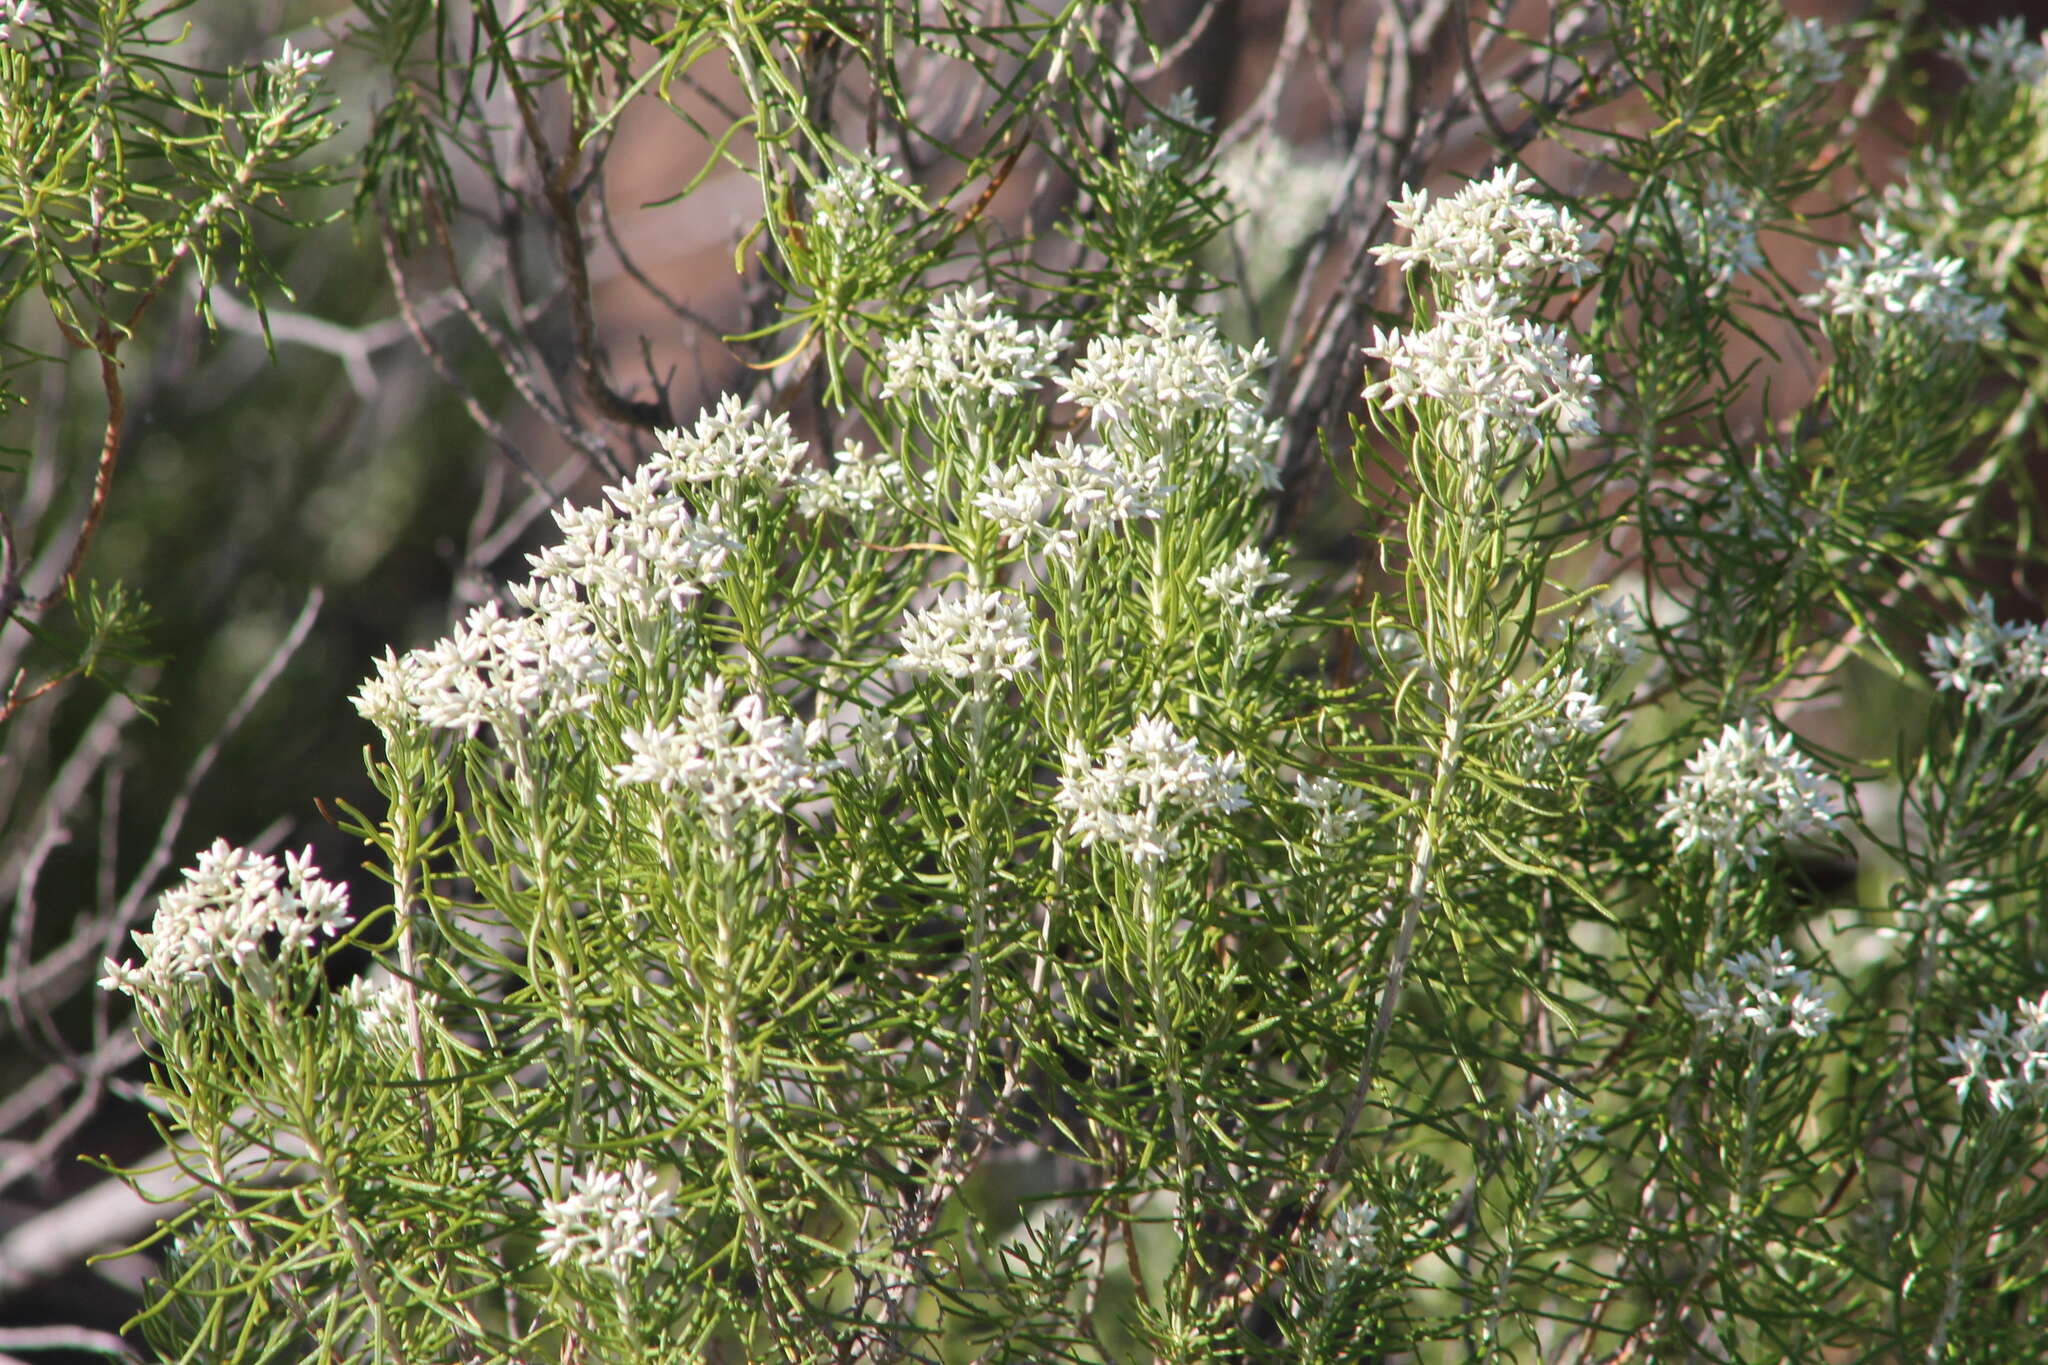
(1237, 584)
(1059, 502)
(1176, 368)
(1806, 55)
(727, 761)
(857, 486)
(1158, 142)
(377, 1010)
(1557, 1123)
(1999, 54)
(215, 922)
(1971, 896)
(730, 443)
(1351, 1243)
(976, 637)
(854, 211)
(2006, 1054)
(1890, 281)
(1744, 789)
(291, 67)
(967, 347)
(1718, 231)
(1490, 230)
(1338, 807)
(633, 556)
(1606, 636)
(507, 672)
(1759, 997)
(1564, 706)
(1498, 371)
(1987, 660)
(1146, 786)
(607, 1220)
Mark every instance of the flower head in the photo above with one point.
(1806, 55)
(638, 554)
(1237, 584)
(966, 347)
(1743, 790)
(607, 1219)
(730, 443)
(1999, 55)
(859, 486)
(1717, 229)
(1063, 500)
(1500, 372)
(727, 761)
(1144, 788)
(1491, 230)
(507, 672)
(1557, 1123)
(977, 637)
(1992, 663)
(291, 67)
(2005, 1054)
(1175, 368)
(1338, 807)
(1889, 282)
(215, 922)
(1758, 997)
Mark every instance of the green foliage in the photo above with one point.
(955, 903)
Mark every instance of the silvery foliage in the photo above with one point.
(969, 898)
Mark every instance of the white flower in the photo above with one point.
(1998, 55)
(1718, 231)
(964, 347)
(854, 216)
(1173, 369)
(1559, 707)
(1990, 662)
(1806, 55)
(377, 1010)
(633, 557)
(1558, 1122)
(1158, 143)
(504, 672)
(1063, 500)
(1742, 791)
(1145, 787)
(1490, 230)
(730, 442)
(1758, 997)
(1491, 368)
(390, 699)
(2006, 1054)
(607, 1220)
(1237, 583)
(1606, 635)
(1969, 896)
(1350, 1243)
(215, 922)
(858, 486)
(727, 762)
(977, 637)
(291, 66)
(1338, 807)
(1888, 281)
